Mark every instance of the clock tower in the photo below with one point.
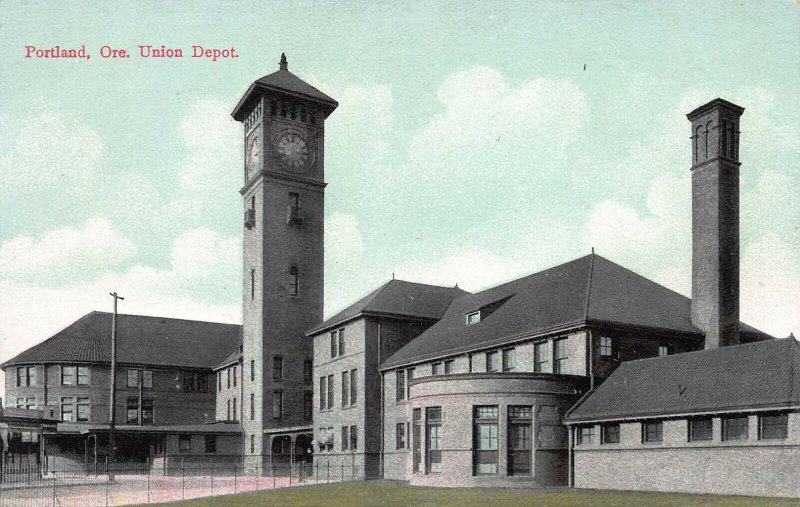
(283, 196)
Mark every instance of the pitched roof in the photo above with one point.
(231, 358)
(156, 341)
(281, 81)
(590, 289)
(397, 298)
(747, 376)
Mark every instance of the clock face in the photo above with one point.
(252, 154)
(293, 152)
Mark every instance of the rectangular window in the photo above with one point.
(132, 410)
(433, 449)
(400, 385)
(235, 412)
(773, 426)
(448, 366)
(472, 366)
(229, 378)
(491, 362)
(585, 435)
(252, 284)
(485, 457)
(30, 403)
(345, 388)
(560, 355)
(67, 410)
(409, 378)
(330, 391)
(21, 377)
(353, 386)
(334, 344)
(520, 419)
(277, 368)
(308, 370)
(147, 378)
(610, 434)
(211, 444)
(229, 410)
(540, 358)
(184, 444)
(735, 428)
(277, 404)
(400, 435)
(436, 369)
(652, 432)
(341, 342)
(68, 374)
(252, 444)
(345, 437)
(308, 405)
(252, 406)
(133, 378)
(509, 359)
(353, 438)
(663, 350)
(700, 429)
(416, 444)
(235, 376)
(219, 381)
(83, 409)
(605, 346)
(30, 374)
(253, 370)
(147, 411)
(323, 393)
(473, 318)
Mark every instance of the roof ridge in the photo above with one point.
(164, 317)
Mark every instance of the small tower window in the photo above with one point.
(252, 284)
(273, 107)
(283, 109)
(294, 281)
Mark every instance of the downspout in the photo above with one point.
(570, 458)
(380, 373)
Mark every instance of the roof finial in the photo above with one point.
(284, 65)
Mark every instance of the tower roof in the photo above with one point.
(281, 81)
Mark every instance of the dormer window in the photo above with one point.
(473, 318)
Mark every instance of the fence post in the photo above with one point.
(108, 484)
(55, 499)
(148, 486)
(183, 481)
(259, 468)
(317, 476)
(212, 480)
(328, 473)
(235, 477)
(272, 471)
(342, 471)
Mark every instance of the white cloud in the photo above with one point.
(343, 242)
(47, 148)
(486, 118)
(472, 269)
(770, 286)
(65, 253)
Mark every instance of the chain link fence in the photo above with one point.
(143, 483)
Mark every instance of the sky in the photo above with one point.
(474, 143)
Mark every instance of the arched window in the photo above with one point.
(294, 281)
(697, 143)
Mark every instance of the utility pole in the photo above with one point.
(112, 404)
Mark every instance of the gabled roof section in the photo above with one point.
(285, 82)
(590, 289)
(397, 298)
(739, 377)
(156, 341)
(232, 358)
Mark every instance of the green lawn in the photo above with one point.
(391, 494)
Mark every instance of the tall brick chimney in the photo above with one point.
(715, 221)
